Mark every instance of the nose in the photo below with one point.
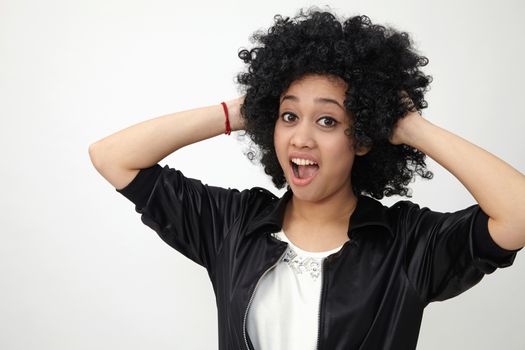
(303, 136)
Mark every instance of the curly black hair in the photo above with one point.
(378, 63)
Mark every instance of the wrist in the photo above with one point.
(412, 129)
(234, 114)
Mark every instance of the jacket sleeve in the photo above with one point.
(448, 253)
(191, 217)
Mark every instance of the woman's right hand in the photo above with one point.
(119, 156)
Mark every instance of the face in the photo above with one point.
(310, 141)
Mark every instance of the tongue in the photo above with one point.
(306, 171)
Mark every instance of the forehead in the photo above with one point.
(316, 89)
(318, 84)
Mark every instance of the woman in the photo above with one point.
(335, 110)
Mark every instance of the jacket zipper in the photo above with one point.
(323, 279)
(323, 284)
(253, 294)
(320, 318)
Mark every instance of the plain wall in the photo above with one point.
(79, 270)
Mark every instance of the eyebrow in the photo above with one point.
(317, 100)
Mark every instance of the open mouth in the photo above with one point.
(304, 172)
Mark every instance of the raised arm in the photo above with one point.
(119, 156)
(498, 188)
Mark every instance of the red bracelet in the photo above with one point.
(227, 122)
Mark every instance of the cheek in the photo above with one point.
(280, 137)
(342, 163)
(340, 146)
(276, 140)
(279, 145)
(340, 155)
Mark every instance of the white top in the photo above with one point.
(284, 312)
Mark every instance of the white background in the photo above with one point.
(78, 269)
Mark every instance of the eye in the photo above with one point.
(288, 117)
(328, 122)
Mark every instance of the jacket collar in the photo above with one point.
(368, 212)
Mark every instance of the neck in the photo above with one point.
(328, 211)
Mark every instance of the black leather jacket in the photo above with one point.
(374, 289)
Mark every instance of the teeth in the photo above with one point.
(299, 161)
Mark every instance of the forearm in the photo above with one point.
(498, 188)
(144, 144)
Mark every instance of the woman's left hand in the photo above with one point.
(404, 127)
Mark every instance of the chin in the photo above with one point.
(306, 194)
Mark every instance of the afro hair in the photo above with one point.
(378, 64)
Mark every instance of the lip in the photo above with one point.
(301, 182)
(302, 155)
